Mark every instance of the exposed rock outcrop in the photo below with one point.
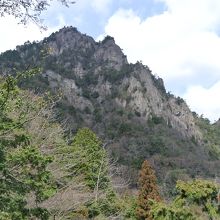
(121, 102)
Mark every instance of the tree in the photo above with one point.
(195, 199)
(26, 10)
(23, 168)
(202, 193)
(148, 191)
(175, 211)
(87, 162)
(90, 159)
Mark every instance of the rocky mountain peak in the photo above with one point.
(83, 68)
(109, 41)
(69, 39)
(123, 103)
(110, 53)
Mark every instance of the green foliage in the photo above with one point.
(33, 173)
(158, 82)
(198, 191)
(108, 205)
(162, 211)
(115, 76)
(191, 196)
(211, 134)
(97, 115)
(202, 193)
(134, 139)
(112, 75)
(107, 38)
(23, 168)
(157, 146)
(155, 120)
(10, 56)
(89, 158)
(171, 178)
(125, 128)
(86, 160)
(129, 207)
(179, 100)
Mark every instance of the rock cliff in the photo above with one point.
(123, 103)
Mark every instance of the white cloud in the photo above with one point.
(204, 100)
(101, 5)
(13, 34)
(181, 44)
(57, 16)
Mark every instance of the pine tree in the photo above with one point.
(148, 190)
(23, 168)
(89, 159)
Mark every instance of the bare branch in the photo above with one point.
(27, 10)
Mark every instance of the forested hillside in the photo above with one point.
(123, 103)
(77, 123)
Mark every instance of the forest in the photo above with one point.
(45, 175)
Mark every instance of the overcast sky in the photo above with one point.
(178, 39)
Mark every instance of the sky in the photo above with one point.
(179, 40)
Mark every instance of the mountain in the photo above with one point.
(124, 103)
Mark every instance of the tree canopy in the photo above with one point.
(23, 168)
(195, 199)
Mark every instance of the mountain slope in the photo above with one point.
(123, 103)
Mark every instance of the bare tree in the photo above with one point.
(27, 10)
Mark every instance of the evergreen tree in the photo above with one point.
(23, 168)
(176, 210)
(202, 193)
(148, 191)
(89, 159)
(195, 199)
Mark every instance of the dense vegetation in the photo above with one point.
(195, 199)
(211, 135)
(37, 165)
(133, 137)
(23, 167)
(40, 171)
(65, 159)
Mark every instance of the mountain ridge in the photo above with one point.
(123, 103)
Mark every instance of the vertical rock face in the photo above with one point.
(70, 39)
(103, 61)
(120, 101)
(111, 54)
